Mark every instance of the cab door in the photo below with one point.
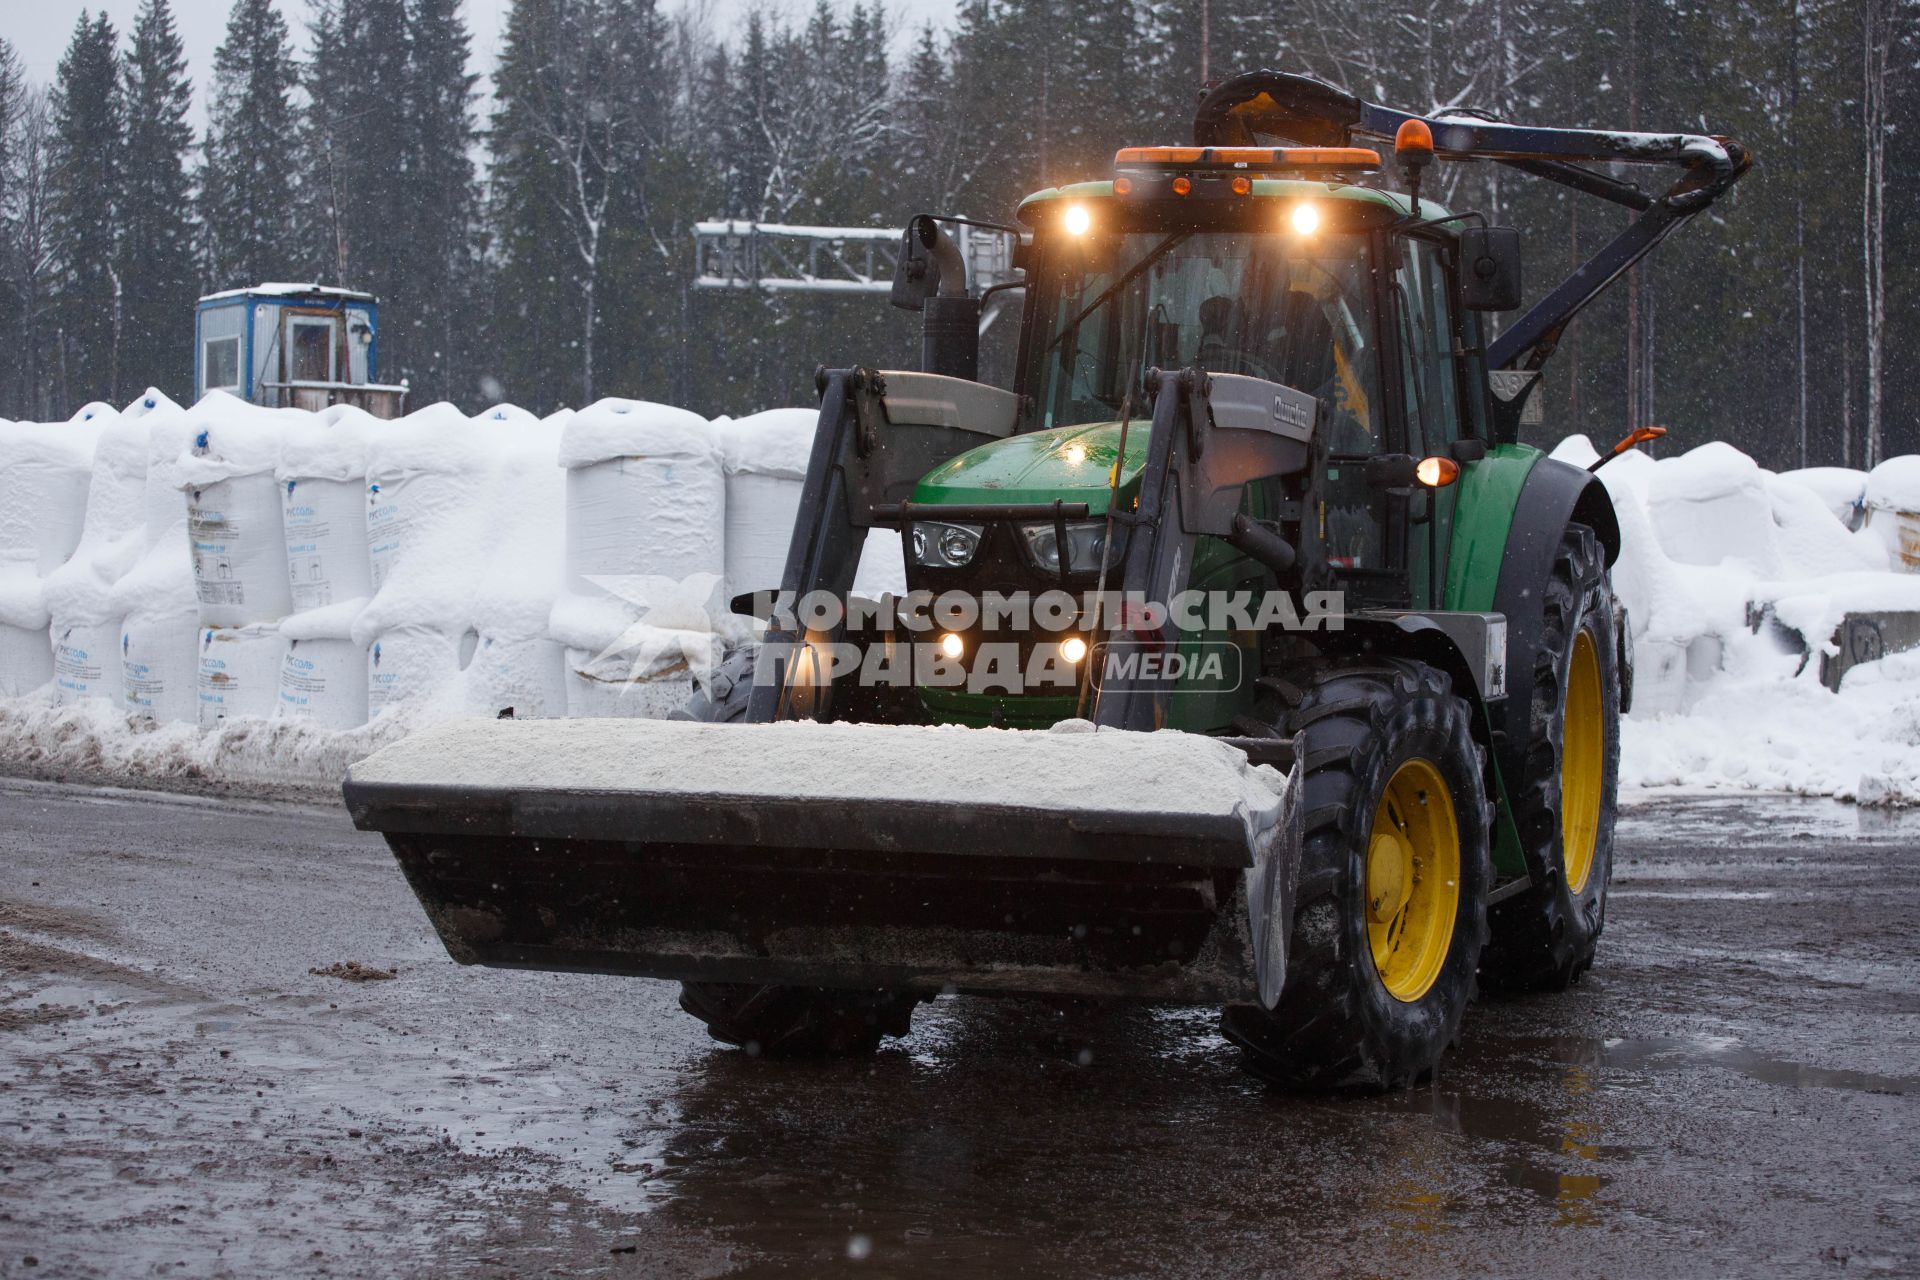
(1433, 349)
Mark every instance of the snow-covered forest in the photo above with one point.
(540, 251)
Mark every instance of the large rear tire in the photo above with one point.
(779, 1021)
(1394, 870)
(1566, 797)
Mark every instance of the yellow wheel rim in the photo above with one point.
(1582, 763)
(1412, 880)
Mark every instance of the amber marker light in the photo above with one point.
(1122, 186)
(1413, 141)
(1242, 185)
(1436, 472)
(1182, 185)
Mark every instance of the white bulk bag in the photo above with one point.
(524, 679)
(86, 661)
(426, 486)
(81, 593)
(764, 457)
(324, 681)
(645, 494)
(45, 471)
(239, 672)
(408, 664)
(239, 551)
(323, 493)
(159, 666)
(326, 532)
(26, 659)
(650, 676)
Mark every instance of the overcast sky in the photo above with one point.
(40, 29)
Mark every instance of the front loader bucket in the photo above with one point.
(1157, 865)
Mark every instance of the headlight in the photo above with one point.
(945, 546)
(1085, 540)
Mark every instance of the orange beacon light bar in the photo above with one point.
(1246, 158)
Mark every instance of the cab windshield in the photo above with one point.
(1296, 310)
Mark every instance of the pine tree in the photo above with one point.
(13, 102)
(247, 189)
(156, 229)
(86, 198)
(441, 259)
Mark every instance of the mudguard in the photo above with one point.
(1554, 496)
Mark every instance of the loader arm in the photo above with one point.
(1298, 108)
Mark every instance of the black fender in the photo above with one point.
(1554, 496)
(1411, 635)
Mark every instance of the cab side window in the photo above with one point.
(1429, 373)
(1430, 340)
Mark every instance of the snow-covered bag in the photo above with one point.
(26, 659)
(239, 672)
(1892, 502)
(649, 675)
(233, 511)
(414, 664)
(323, 681)
(322, 476)
(765, 460)
(113, 528)
(521, 679)
(159, 667)
(86, 662)
(429, 482)
(645, 494)
(45, 472)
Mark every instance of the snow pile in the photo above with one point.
(1730, 573)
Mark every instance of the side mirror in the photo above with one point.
(1489, 268)
(916, 276)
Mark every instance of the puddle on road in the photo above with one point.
(1653, 818)
(1673, 1053)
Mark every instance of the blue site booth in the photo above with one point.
(302, 346)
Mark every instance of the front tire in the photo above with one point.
(1394, 870)
(797, 1022)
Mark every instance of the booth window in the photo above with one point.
(311, 345)
(220, 360)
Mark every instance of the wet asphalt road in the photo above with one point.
(1734, 1091)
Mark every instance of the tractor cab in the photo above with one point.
(1272, 263)
(1251, 267)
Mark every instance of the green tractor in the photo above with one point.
(1248, 659)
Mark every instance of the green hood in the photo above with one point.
(1071, 463)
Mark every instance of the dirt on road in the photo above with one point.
(188, 1087)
